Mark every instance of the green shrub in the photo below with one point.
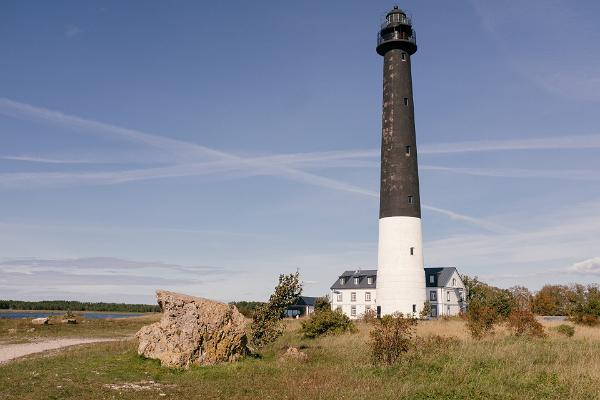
(426, 310)
(481, 320)
(326, 322)
(566, 330)
(322, 303)
(523, 323)
(391, 337)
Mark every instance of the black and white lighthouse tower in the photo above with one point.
(400, 274)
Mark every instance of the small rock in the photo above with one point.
(31, 330)
(69, 321)
(293, 354)
(40, 321)
(12, 330)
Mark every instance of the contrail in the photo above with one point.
(181, 148)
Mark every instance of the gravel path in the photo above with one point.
(11, 351)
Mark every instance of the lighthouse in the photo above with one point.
(400, 276)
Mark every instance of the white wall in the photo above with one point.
(346, 303)
(448, 297)
(400, 274)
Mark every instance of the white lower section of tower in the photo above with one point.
(400, 274)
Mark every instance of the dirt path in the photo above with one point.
(11, 351)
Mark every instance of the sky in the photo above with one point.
(207, 147)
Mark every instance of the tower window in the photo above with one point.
(411, 200)
(408, 150)
(414, 308)
(412, 251)
(403, 56)
(406, 101)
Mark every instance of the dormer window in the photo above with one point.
(431, 279)
(370, 280)
(342, 281)
(356, 281)
(411, 199)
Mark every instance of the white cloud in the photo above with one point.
(72, 31)
(95, 277)
(590, 266)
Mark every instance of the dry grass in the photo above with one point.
(499, 367)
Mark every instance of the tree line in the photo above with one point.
(581, 303)
(64, 305)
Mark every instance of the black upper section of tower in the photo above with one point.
(396, 33)
(399, 192)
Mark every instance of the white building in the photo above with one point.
(354, 292)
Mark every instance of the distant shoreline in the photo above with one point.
(15, 311)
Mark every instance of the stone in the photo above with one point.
(294, 354)
(12, 330)
(69, 321)
(40, 321)
(194, 331)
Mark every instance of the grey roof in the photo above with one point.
(361, 274)
(441, 278)
(305, 301)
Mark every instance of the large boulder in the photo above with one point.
(194, 331)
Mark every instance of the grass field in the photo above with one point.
(22, 331)
(501, 367)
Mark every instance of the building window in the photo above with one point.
(448, 310)
(370, 280)
(407, 150)
(414, 308)
(406, 101)
(339, 297)
(367, 296)
(448, 296)
(403, 56)
(431, 279)
(353, 296)
(453, 282)
(433, 295)
(460, 296)
(342, 281)
(353, 311)
(356, 281)
(411, 199)
(412, 251)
